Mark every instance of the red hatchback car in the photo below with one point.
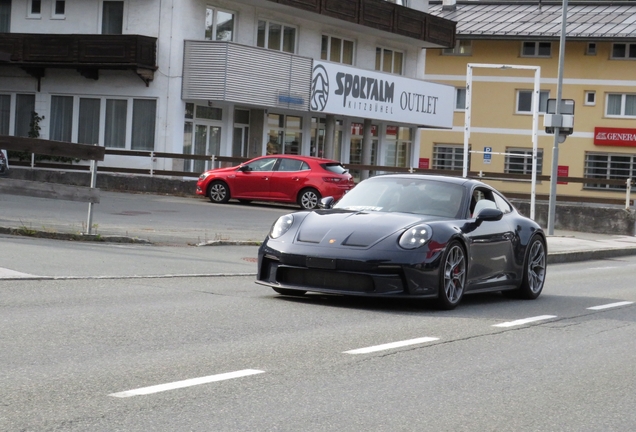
(282, 178)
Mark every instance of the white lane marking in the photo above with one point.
(5, 273)
(186, 383)
(391, 345)
(610, 305)
(524, 321)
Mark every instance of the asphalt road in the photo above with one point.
(113, 348)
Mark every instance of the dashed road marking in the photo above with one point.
(391, 345)
(611, 305)
(524, 321)
(12, 274)
(186, 383)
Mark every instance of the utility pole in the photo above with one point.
(557, 130)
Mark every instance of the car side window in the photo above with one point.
(266, 164)
(482, 198)
(290, 165)
(502, 204)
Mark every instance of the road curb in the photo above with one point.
(589, 255)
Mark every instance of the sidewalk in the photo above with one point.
(570, 246)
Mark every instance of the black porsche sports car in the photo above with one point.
(405, 235)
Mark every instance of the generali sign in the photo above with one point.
(344, 90)
(615, 137)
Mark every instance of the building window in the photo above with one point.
(115, 130)
(590, 98)
(59, 9)
(34, 9)
(112, 17)
(276, 36)
(624, 51)
(390, 61)
(610, 167)
(219, 25)
(536, 49)
(460, 99)
(519, 161)
(143, 124)
(5, 16)
(5, 114)
(524, 101)
(398, 146)
(337, 50)
(61, 124)
(591, 49)
(24, 111)
(461, 48)
(620, 105)
(88, 127)
(448, 157)
(285, 134)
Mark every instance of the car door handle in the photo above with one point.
(295, 178)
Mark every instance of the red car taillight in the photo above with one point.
(333, 179)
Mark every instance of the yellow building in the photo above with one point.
(599, 75)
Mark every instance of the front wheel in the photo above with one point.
(452, 276)
(219, 192)
(289, 292)
(309, 199)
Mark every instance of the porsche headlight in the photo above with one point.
(415, 237)
(281, 226)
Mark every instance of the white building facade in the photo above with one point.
(237, 78)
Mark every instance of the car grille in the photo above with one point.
(318, 278)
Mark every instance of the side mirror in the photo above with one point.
(489, 215)
(244, 168)
(326, 203)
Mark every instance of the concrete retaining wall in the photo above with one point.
(596, 218)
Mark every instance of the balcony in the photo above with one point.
(86, 53)
(433, 31)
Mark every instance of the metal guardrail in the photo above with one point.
(480, 175)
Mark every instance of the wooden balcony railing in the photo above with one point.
(87, 53)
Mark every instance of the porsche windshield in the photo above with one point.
(394, 194)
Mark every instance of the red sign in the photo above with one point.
(563, 171)
(424, 163)
(614, 137)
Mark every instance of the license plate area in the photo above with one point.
(321, 263)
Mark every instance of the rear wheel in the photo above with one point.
(219, 192)
(309, 199)
(289, 292)
(533, 270)
(452, 276)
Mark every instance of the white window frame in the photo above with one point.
(452, 150)
(342, 40)
(623, 100)
(462, 47)
(268, 22)
(537, 44)
(393, 51)
(54, 15)
(628, 47)
(587, 101)
(591, 48)
(526, 154)
(529, 112)
(215, 10)
(102, 116)
(30, 13)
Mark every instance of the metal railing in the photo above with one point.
(152, 156)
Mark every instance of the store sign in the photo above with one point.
(344, 90)
(424, 163)
(563, 171)
(615, 137)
